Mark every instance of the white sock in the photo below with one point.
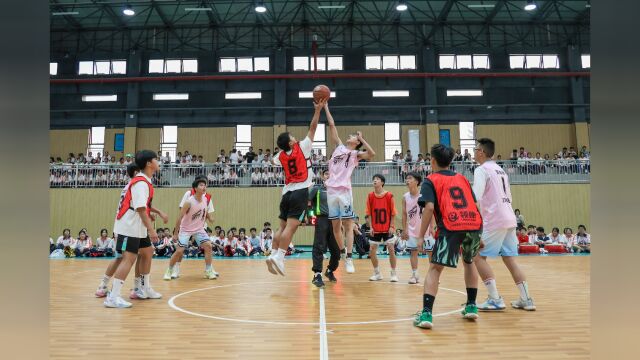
(105, 280)
(207, 267)
(491, 288)
(137, 283)
(116, 288)
(146, 281)
(376, 270)
(282, 253)
(171, 267)
(414, 273)
(524, 290)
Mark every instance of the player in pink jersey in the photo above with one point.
(493, 195)
(411, 218)
(339, 196)
(191, 222)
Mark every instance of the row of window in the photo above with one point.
(322, 63)
(243, 139)
(258, 95)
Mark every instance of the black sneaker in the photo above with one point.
(330, 276)
(317, 281)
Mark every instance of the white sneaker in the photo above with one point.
(118, 302)
(270, 265)
(210, 275)
(278, 264)
(524, 304)
(176, 272)
(348, 264)
(167, 274)
(376, 277)
(413, 280)
(394, 276)
(138, 294)
(214, 272)
(152, 294)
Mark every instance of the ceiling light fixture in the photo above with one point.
(402, 6)
(260, 7)
(128, 10)
(62, 13)
(531, 5)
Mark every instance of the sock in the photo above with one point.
(116, 288)
(376, 270)
(171, 267)
(137, 283)
(524, 290)
(349, 255)
(105, 280)
(414, 273)
(207, 267)
(427, 302)
(177, 264)
(145, 281)
(491, 288)
(471, 295)
(281, 253)
(318, 274)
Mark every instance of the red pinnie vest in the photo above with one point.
(455, 201)
(294, 165)
(206, 195)
(125, 197)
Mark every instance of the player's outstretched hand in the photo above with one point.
(320, 104)
(359, 134)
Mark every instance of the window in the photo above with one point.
(324, 63)
(102, 67)
(53, 68)
(309, 94)
(94, 98)
(319, 145)
(243, 138)
(467, 137)
(176, 66)
(242, 95)
(169, 141)
(390, 93)
(534, 61)
(464, 92)
(160, 97)
(390, 62)
(473, 61)
(96, 141)
(392, 141)
(585, 59)
(244, 64)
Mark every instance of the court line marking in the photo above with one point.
(171, 303)
(324, 346)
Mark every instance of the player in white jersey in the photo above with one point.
(493, 195)
(411, 219)
(344, 159)
(175, 273)
(191, 222)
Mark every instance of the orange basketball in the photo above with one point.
(321, 92)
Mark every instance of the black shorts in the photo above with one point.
(131, 244)
(379, 238)
(446, 250)
(293, 204)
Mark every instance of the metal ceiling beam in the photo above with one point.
(441, 18)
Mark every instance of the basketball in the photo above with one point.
(321, 92)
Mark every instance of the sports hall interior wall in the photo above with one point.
(547, 205)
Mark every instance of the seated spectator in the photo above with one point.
(256, 244)
(401, 246)
(519, 218)
(193, 250)
(218, 241)
(243, 247)
(584, 153)
(230, 243)
(523, 238)
(555, 236)
(267, 241)
(360, 240)
(583, 241)
(533, 235)
(541, 237)
(65, 241)
(255, 177)
(106, 245)
(52, 246)
(83, 244)
(568, 239)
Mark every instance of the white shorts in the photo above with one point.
(499, 242)
(340, 203)
(183, 238)
(413, 243)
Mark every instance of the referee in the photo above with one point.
(323, 234)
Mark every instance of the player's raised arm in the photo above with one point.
(333, 131)
(316, 118)
(368, 152)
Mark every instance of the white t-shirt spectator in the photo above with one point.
(255, 177)
(83, 244)
(105, 244)
(554, 240)
(567, 240)
(234, 158)
(583, 239)
(70, 241)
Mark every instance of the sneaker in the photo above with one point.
(118, 302)
(376, 277)
(277, 264)
(176, 272)
(413, 280)
(270, 265)
(492, 304)
(423, 319)
(470, 312)
(317, 281)
(330, 276)
(101, 291)
(394, 276)
(348, 264)
(209, 274)
(215, 272)
(152, 294)
(167, 274)
(138, 294)
(524, 304)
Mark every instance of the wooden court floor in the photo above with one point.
(248, 313)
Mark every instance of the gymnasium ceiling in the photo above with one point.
(95, 26)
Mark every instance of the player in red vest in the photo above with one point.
(294, 157)
(381, 208)
(448, 195)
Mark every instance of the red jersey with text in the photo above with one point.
(381, 208)
(294, 165)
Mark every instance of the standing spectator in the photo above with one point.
(396, 157)
(584, 153)
(260, 156)
(514, 155)
(519, 218)
(106, 245)
(583, 240)
(408, 158)
(250, 155)
(234, 156)
(83, 244)
(254, 240)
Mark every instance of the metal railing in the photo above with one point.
(244, 175)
